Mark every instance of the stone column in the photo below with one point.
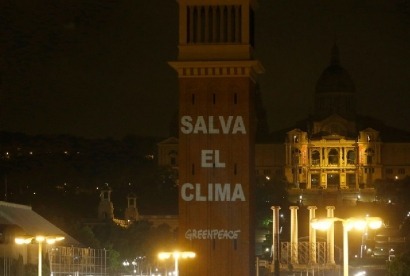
(294, 234)
(331, 236)
(275, 241)
(312, 236)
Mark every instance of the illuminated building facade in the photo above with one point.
(216, 152)
(332, 153)
(335, 150)
(339, 149)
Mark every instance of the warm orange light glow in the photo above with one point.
(176, 255)
(188, 254)
(38, 239)
(22, 240)
(321, 224)
(164, 255)
(359, 224)
(349, 224)
(52, 240)
(375, 222)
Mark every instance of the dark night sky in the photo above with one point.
(99, 68)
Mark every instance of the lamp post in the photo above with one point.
(176, 255)
(138, 261)
(40, 240)
(348, 224)
(134, 263)
(126, 263)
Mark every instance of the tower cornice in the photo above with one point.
(252, 3)
(206, 69)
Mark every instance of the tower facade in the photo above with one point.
(217, 120)
(105, 207)
(131, 212)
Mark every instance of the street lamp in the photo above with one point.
(348, 224)
(134, 263)
(176, 255)
(40, 240)
(126, 263)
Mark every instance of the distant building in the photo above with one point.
(334, 156)
(131, 213)
(105, 207)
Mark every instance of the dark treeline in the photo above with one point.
(60, 176)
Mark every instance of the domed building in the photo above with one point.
(334, 156)
(337, 151)
(335, 91)
(329, 151)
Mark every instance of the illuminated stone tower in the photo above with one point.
(131, 212)
(105, 207)
(217, 121)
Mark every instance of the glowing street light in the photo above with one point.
(40, 240)
(348, 224)
(126, 263)
(134, 263)
(176, 255)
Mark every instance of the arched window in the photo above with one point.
(295, 156)
(333, 157)
(369, 153)
(351, 157)
(173, 158)
(315, 157)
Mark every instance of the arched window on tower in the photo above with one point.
(296, 156)
(173, 158)
(369, 155)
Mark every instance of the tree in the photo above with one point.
(270, 192)
(114, 261)
(400, 266)
(87, 237)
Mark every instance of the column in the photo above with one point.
(229, 23)
(222, 37)
(322, 157)
(275, 241)
(345, 249)
(312, 236)
(214, 30)
(198, 22)
(237, 23)
(331, 237)
(294, 234)
(191, 34)
(207, 30)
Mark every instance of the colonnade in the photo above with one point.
(330, 239)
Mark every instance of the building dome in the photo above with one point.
(335, 79)
(335, 91)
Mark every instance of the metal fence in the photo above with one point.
(303, 252)
(77, 261)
